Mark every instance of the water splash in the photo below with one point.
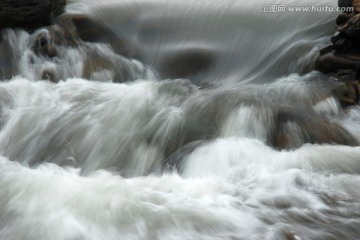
(258, 152)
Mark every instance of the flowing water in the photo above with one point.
(188, 120)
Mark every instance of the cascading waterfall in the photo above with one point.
(199, 120)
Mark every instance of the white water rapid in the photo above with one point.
(208, 122)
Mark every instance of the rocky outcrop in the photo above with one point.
(29, 14)
(342, 57)
(70, 34)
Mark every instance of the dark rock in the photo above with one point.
(50, 76)
(29, 14)
(344, 54)
(342, 45)
(88, 30)
(351, 28)
(337, 36)
(342, 18)
(327, 49)
(332, 62)
(58, 8)
(44, 45)
(350, 94)
(187, 63)
(294, 128)
(345, 74)
(345, 3)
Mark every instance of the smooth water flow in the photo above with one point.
(227, 39)
(196, 120)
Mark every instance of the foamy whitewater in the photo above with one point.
(196, 157)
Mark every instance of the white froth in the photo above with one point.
(86, 160)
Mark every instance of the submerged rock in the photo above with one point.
(44, 45)
(294, 128)
(185, 63)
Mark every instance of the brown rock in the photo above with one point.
(294, 128)
(44, 45)
(351, 28)
(356, 5)
(332, 62)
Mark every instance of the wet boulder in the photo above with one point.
(332, 62)
(342, 18)
(295, 128)
(350, 3)
(44, 45)
(187, 63)
(356, 5)
(345, 3)
(351, 28)
(341, 59)
(29, 14)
